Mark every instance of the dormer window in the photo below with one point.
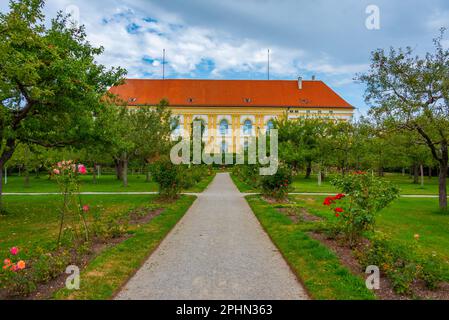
(248, 100)
(190, 100)
(132, 99)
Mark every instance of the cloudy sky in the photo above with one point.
(228, 39)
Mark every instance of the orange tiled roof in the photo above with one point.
(229, 93)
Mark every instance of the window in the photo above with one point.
(248, 127)
(224, 147)
(246, 146)
(224, 126)
(175, 126)
(270, 125)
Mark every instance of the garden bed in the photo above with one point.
(138, 216)
(386, 292)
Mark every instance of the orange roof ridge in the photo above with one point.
(231, 93)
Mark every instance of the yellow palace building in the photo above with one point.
(235, 109)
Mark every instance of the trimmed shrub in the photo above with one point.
(277, 185)
(168, 177)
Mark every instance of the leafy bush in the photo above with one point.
(248, 173)
(168, 176)
(401, 263)
(21, 279)
(277, 185)
(363, 196)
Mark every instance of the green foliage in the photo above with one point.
(168, 176)
(50, 84)
(401, 263)
(67, 176)
(410, 93)
(248, 173)
(363, 196)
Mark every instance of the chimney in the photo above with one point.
(313, 78)
(300, 83)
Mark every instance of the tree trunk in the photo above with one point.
(308, 170)
(94, 174)
(125, 170)
(148, 177)
(27, 178)
(319, 178)
(443, 178)
(118, 169)
(1, 187)
(415, 174)
(430, 172)
(421, 167)
(403, 171)
(380, 171)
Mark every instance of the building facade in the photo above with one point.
(234, 110)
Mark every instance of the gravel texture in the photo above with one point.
(217, 251)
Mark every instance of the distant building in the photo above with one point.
(235, 109)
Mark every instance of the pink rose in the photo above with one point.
(56, 171)
(7, 262)
(82, 169)
(86, 208)
(14, 251)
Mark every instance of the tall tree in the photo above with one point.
(50, 84)
(143, 133)
(413, 93)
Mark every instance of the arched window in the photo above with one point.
(224, 147)
(247, 127)
(246, 146)
(175, 125)
(224, 126)
(270, 125)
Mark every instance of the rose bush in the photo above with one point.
(277, 186)
(67, 175)
(363, 195)
(168, 177)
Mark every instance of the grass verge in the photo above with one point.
(317, 266)
(101, 279)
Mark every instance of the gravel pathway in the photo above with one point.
(217, 251)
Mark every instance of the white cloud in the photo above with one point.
(187, 46)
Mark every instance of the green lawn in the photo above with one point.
(32, 225)
(105, 183)
(405, 183)
(104, 276)
(401, 221)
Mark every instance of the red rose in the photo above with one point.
(339, 210)
(337, 215)
(339, 196)
(328, 201)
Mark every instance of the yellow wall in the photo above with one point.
(237, 115)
